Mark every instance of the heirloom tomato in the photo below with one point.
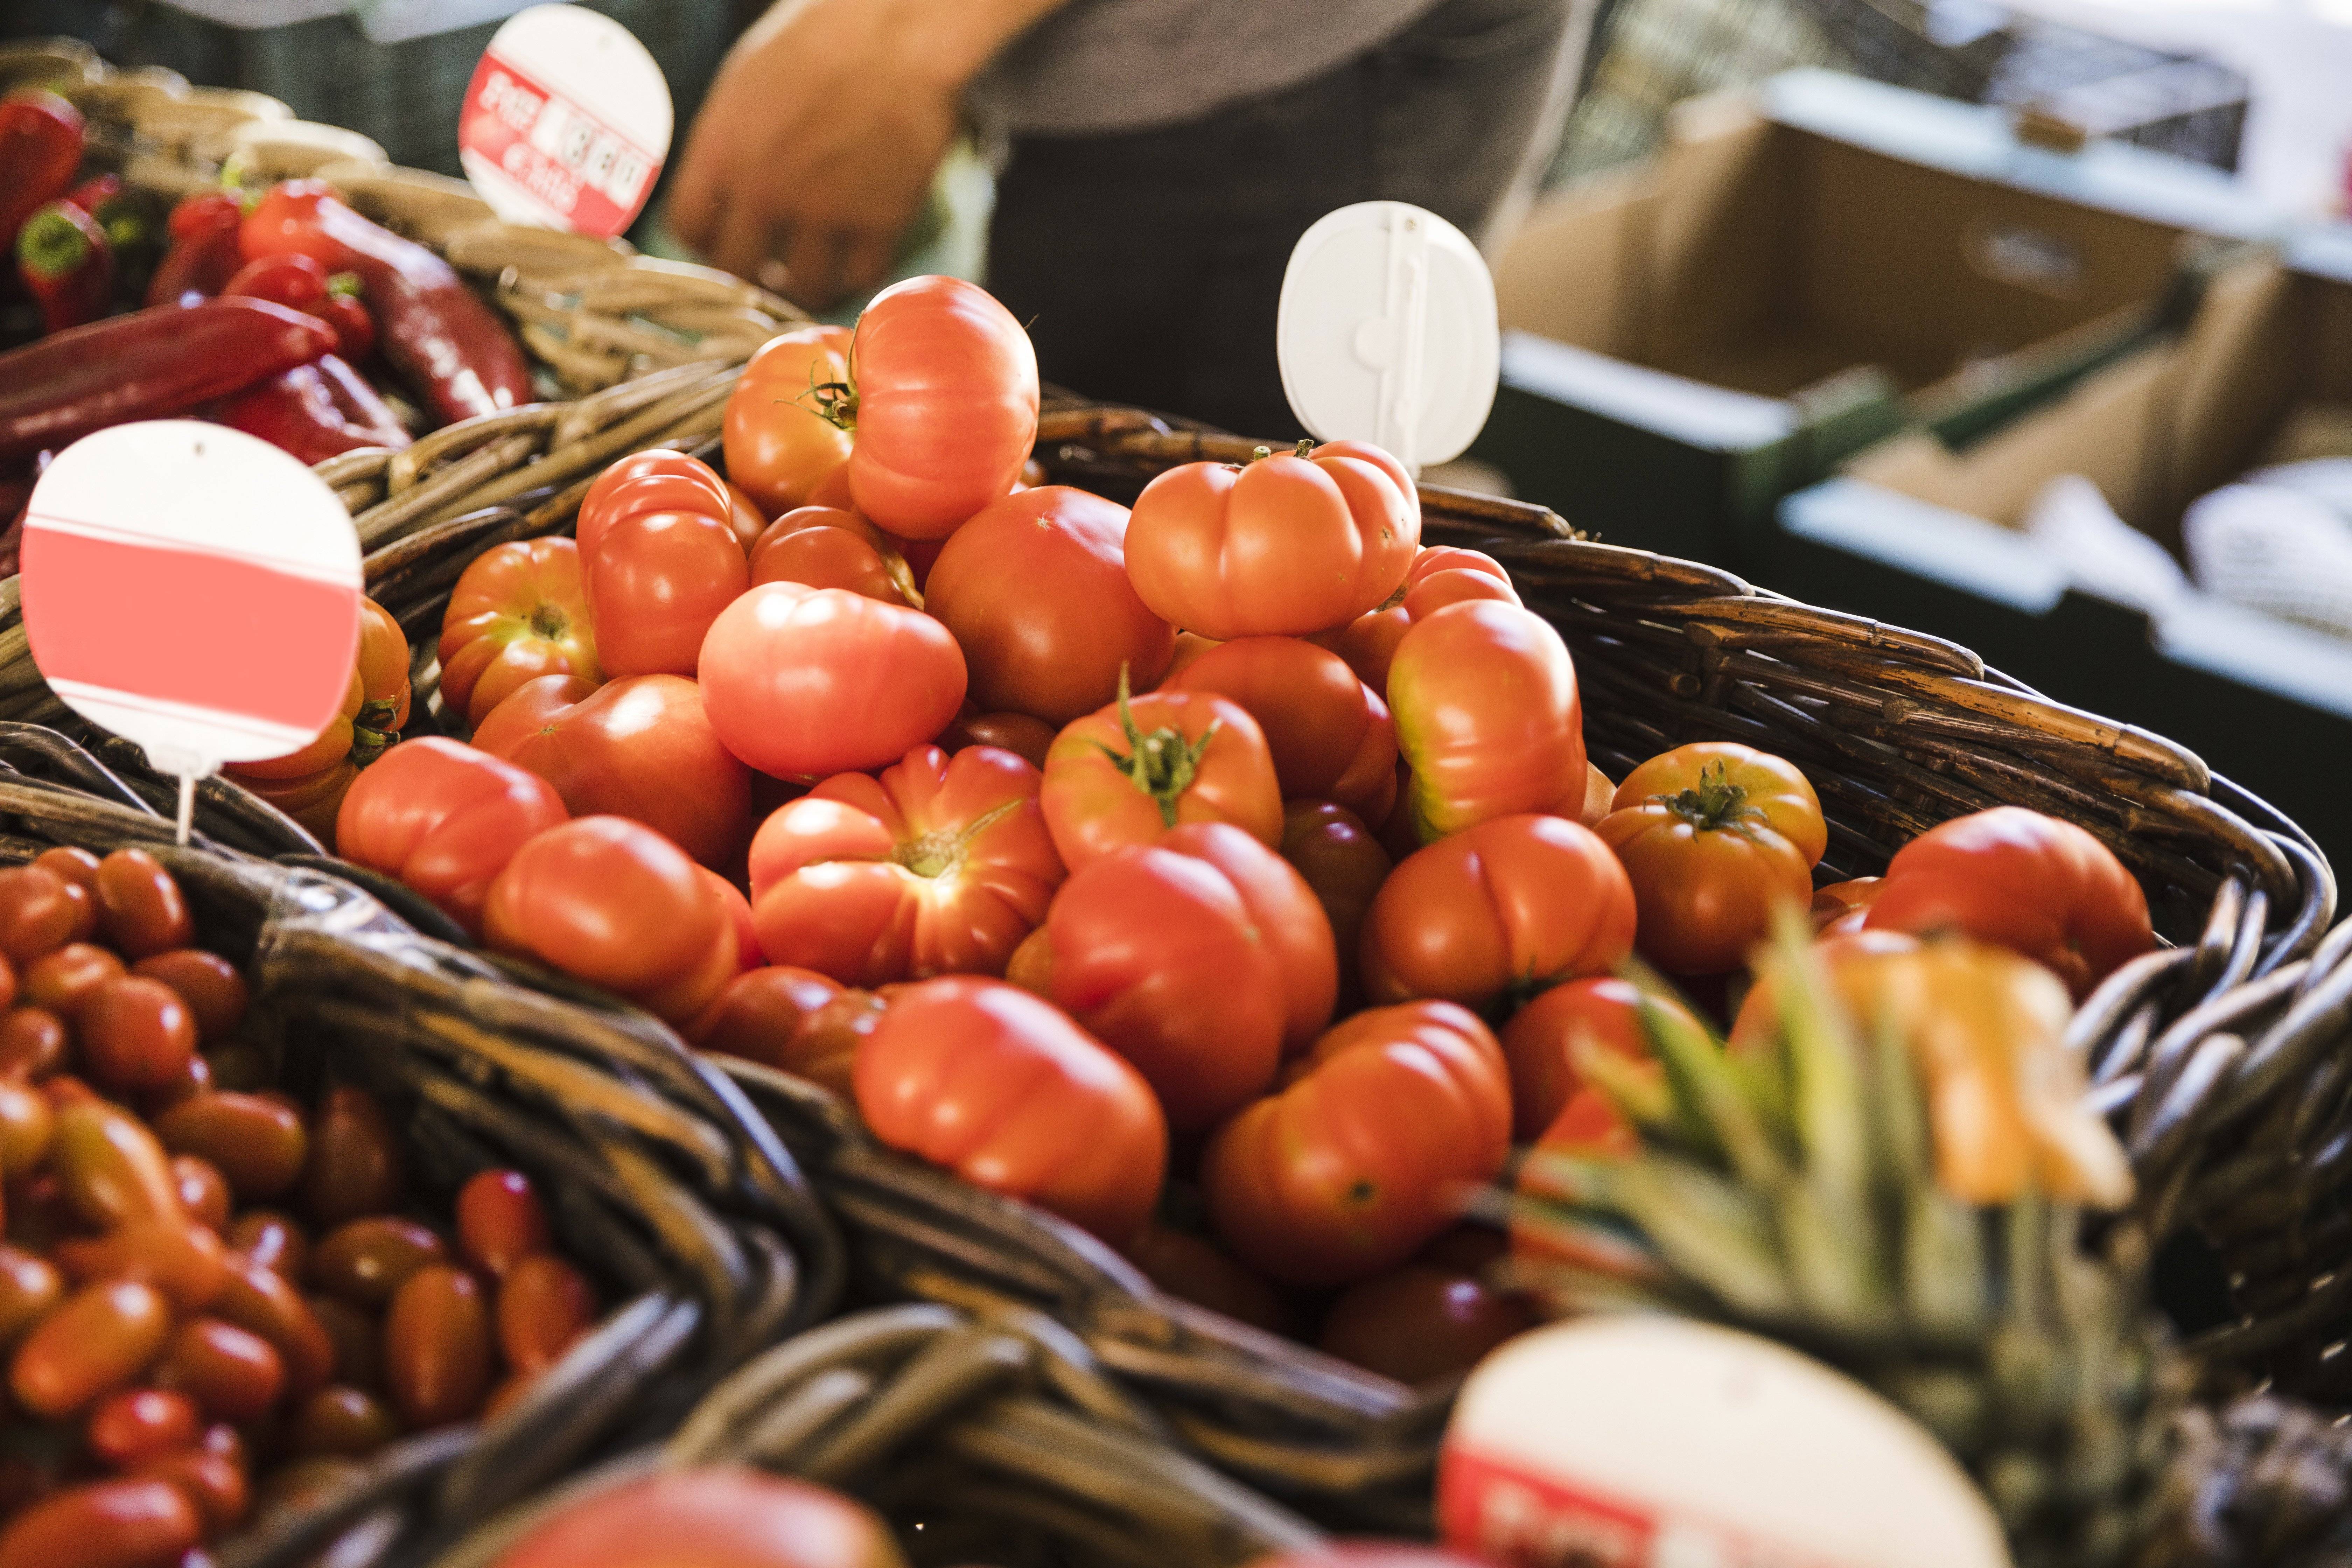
(1284, 545)
(2033, 884)
(617, 905)
(309, 784)
(1841, 906)
(1327, 732)
(518, 613)
(656, 581)
(1421, 1323)
(1199, 957)
(1713, 837)
(1191, 1269)
(1344, 865)
(825, 547)
(656, 480)
(1036, 590)
(1398, 1114)
(778, 444)
(943, 395)
(748, 955)
(1509, 906)
(445, 818)
(939, 866)
(1025, 736)
(744, 516)
(731, 1517)
(1003, 1090)
(639, 747)
(1543, 1038)
(806, 682)
(1127, 773)
(1487, 717)
(794, 1020)
(1440, 575)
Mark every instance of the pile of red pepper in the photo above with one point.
(279, 313)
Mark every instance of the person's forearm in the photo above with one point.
(948, 41)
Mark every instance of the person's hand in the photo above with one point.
(816, 146)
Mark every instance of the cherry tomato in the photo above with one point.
(355, 1344)
(272, 1240)
(366, 1262)
(79, 867)
(501, 1220)
(140, 1423)
(939, 866)
(355, 1166)
(518, 613)
(437, 1347)
(1127, 773)
(1344, 867)
(136, 1033)
(1007, 1093)
(1487, 717)
(639, 747)
(1714, 835)
(344, 1422)
(1036, 592)
(260, 1301)
(1329, 734)
(184, 1261)
(113, 1169)
(545, 1306)
(1513, 904)
(445, 818)
(26, 1126)
(734, 1517)
(807, 682)
(95, 1342)
(1421, 1323)
(778, 444)
(794, 1020)
(213, 1484)
(1542, 1039)
(140, 905)
(106, 1524)
(62, 980)
(258, 1144)
(826, 547)
(29, 1286)
(37, 916)
(204, 1191)
(1191, 1269)
(32, 1043)
(945, 392)
(231, 1374)
(1366, 1155)
(1288, 544)
(1200, 958)
(617, 905)
(210, 985)
(2039, 887)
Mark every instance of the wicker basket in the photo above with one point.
(660, 1180)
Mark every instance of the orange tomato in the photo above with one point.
(520, 612)
(778, 445)
(826, 547)
(1329, 734)
(1487, 717)
(1127, 773)
(1542, 1039)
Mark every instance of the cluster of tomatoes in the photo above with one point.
(211, 1298)
(1077, 844)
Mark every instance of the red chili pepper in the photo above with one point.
(296, 412)
(349, 316)
(204, 255)
(295, 282)
(40, 149)
(362, 404)
(441, 339)
(150, 364)
(119, 211)
(64, 260)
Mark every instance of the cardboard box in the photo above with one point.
(1802, 270)
(1915, 532)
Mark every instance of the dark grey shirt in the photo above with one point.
(1127, 65)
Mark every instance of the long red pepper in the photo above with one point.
(67, 263)
(150, 364)
(40, 150)
(204, 255)
(442, 340)
(298, 411)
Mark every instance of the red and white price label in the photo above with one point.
(194, 588)
(566, 121)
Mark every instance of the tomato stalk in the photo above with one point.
(1162, 763)
(937, 854)
(1715, 805)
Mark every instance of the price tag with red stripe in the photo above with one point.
(566, 121)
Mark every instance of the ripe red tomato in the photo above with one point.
(794, 1020)
(1366, 1155)
(2038, 886)
(1841, 906)
(1191, 1269)
(1421, 1323)
(639, 747)
(656, 480)
(445, 818)
(1288, 544)
(1329, 734)
(1025, 737)
(1200, 959)
(825, 547)
(1542, 1039)
(1515, 904)
(1007, 1093)
(717, 1518)
(518, 613)
(778, 444)
(617, 905)
(807, 682)
(1036, 590)
(945, 400)
(1344, 865)
(1487, 716)
(940, 865)
(1127, 773)
(1440, 575)
(1713, 836)
(659, 579)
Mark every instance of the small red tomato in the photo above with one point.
(501, 1220)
